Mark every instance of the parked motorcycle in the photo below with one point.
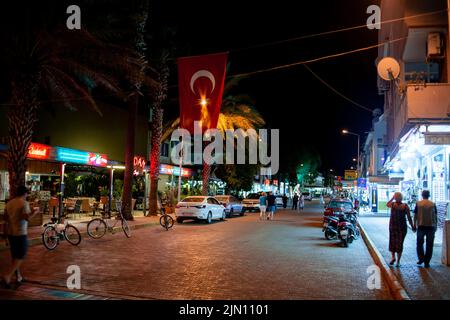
(348, 229)
(330, 227)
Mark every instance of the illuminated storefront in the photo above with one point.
(424, 158)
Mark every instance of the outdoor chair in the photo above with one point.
(75, 208)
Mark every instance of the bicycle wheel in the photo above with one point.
(96, 228)
(166, 221)
(126, 228)
(72, 235)
(50, 237)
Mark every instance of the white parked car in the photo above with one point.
(199, 208)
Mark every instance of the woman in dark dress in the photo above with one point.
(397, 226)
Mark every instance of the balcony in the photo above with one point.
(428, 103)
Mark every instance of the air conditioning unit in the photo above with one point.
(435, 45)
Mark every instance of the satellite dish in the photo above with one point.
(388, 69)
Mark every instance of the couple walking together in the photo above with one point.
(424, 222)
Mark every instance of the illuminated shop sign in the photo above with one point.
(99, 160)
(71, 155)
(81, 157)
(172, 170)
(139, 165)
(38, 151)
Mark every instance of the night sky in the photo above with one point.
(308, 113)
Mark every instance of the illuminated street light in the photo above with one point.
(203, 102)
(354, 134)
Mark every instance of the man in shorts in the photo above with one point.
(17, 214)
(271, 205)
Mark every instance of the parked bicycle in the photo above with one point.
(166, 221)
(55, 231)
(98, 227)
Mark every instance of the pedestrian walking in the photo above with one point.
(295, 202)
(262, 206)
(17, 214)
(285, 201)
(271, 205)
(397, 226)
(301, 202)
(425, 221)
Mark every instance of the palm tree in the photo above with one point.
(133, 102)
(157, 130)
(61, 67)
(237, 112)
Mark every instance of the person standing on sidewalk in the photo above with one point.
(397, 226)
(17, 214)
(295, 202)
(425, 221)
(301, 202)
(285, 201)
(262, 206)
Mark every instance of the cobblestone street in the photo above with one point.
(240, 258)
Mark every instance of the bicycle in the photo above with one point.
(166, 221)
(98, 227)
(52, 234)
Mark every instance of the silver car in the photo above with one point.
(232, 205)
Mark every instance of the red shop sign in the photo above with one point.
(139, 164)
(38, 151)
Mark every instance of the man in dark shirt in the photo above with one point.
(425, 220)
(271, 205)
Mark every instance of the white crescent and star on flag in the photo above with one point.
(202, 74)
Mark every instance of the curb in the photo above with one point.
(397, 290)
(37, 241)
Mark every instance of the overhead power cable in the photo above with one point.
(314, 35)
(336, 91)
(316, 59)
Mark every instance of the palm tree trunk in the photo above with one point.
(206, 174)
(157, 122)
(133, 103)
(127, 210)
(157, 125)
(21, 120)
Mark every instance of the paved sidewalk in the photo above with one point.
(35, 233)
(420, 283)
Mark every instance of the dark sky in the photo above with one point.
(306, 112)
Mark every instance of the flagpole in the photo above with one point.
(181, 171)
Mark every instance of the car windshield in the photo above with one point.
(344, 205)
(253, 196)
(222, 198)
(192, 199)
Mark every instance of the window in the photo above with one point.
(422, 72)
(192, 199)
(165, 149)
(212, 201)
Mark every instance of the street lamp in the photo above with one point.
(354, 134)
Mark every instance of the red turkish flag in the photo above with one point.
(200, 83)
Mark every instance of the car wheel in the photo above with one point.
(223, 216)
(179, 220)
(209, 219)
